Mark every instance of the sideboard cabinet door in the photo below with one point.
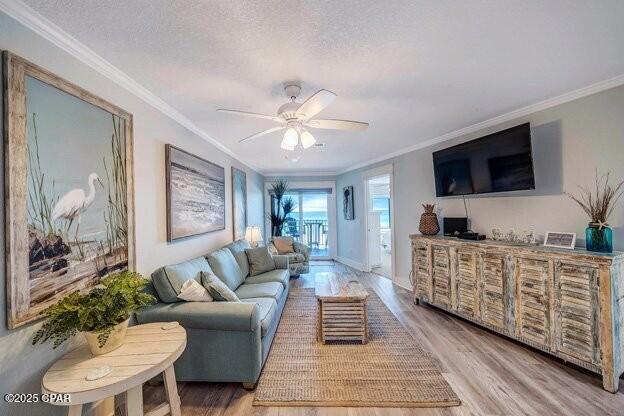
(532, 300)
(493, 293)
(421, 256)
(576, 311)
(441, 276)
(467, 282)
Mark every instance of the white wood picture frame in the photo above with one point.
(560, 240)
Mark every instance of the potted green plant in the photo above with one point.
(282, 207)
(599, 205)
(102, 314)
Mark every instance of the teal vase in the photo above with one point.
(599, 239)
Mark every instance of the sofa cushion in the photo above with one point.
(217, 289)
(260, 260)
(278, 275)
(268, 309)
(194, 292)
(224, 265)
(296, 258)
(260, 290)
(168, 280)
(284, 245)
(238, 251)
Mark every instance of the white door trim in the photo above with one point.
(366, 176)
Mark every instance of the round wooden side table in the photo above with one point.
(148, 350)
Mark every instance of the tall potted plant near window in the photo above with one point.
(281, 208)
(599, 204)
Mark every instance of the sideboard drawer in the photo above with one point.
(493, 293)
(441, 277)
(467, 283)
(421, 273)
(576, 311)
(532, 300)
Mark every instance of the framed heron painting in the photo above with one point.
(69, 197)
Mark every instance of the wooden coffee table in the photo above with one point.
(342, 308)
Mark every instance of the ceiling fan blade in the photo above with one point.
(315, 104)
(256, 115)
(337, 124)
(262, 133)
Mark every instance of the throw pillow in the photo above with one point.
(260, 260)
(284, 245)
(217, 289)
(194, 292)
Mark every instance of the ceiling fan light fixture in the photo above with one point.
(291, 138)
(285, 146)
(307, 140)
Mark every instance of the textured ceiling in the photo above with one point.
(413, 69)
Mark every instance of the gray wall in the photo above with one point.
(570, 141)
(22, 365)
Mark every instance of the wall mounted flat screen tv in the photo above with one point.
(498, 162)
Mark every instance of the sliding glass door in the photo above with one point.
(309, 222)
(315, 220)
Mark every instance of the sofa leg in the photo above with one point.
(249, 386)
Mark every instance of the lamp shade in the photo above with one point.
(253, 234)
(307, 139)
(291, 138)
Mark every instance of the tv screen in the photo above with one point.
(499, 162)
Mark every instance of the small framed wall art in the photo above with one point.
(560, 240)
(347, 203)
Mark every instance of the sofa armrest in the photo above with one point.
(281, 261)
(303, 249)
(226, 316)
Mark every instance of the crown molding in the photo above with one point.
(500, 119)
(290, 174)
(34, 21)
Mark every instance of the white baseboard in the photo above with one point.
(410, 289)
(351, 263)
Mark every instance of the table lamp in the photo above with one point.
(253, 235)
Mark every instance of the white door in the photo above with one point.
(374, 239)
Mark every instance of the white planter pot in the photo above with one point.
(114, 341)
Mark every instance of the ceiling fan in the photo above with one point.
(296, 118)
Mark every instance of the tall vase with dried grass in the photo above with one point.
(599, 204)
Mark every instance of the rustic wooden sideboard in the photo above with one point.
(569, 303)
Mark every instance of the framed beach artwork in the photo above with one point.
(348, 210)
(195, 195)
(239, 203)
(69, 198)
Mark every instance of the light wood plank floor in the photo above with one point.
(491, 375)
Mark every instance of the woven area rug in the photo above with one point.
(391, 370)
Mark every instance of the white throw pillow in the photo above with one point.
(194, 292)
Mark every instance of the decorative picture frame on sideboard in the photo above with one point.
(560, 240)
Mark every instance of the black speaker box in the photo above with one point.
(455, 225)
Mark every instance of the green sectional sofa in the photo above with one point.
(226, 341)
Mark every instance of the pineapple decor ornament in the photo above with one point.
(429, 221)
